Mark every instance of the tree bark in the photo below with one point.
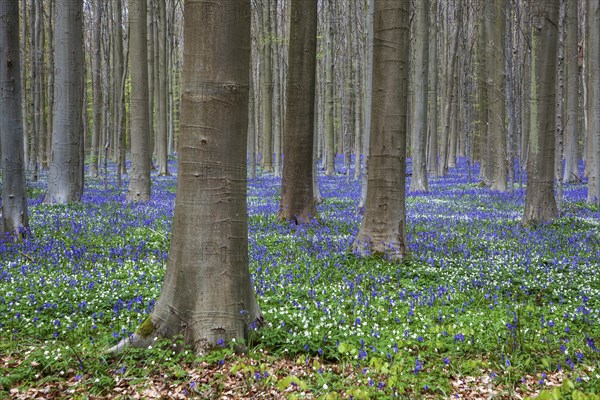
(267, 89)
(65, 178)
(330, 109)
(593, 100)
(571, 173)
(161, 128)
(139, 183)
(496, 135)
(297, 200)
(96, 89)
(383, 228)
(207, 295)
(15, 220)
(419, 79)
(540, 205)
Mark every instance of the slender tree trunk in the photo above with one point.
(593, 100)
(432, 113)
(15, 220)
(297, 201)
(96, 89)
(511, 84)
(496, 136)
(368, 104)
(139, 183)
(445, 132)
(558, 159)
(65, 178)
(161, 128)
(207, 295)
(383, 228)
(419, 80)
(277, 167)
(571, 173)
(152, 66)
(540, 205)
(267, 89)
(330, 111)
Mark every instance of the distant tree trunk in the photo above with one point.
(593, 100)
(330, 110)
(267, 89)
(152, 66)
(162, 129)
(510, 89)
(96, 89)
(419, 80)
(368, 104)
(49, 120)
(207, 295)
(432, 96)
(496, 136)
(540, 205)
(297, 201)
(525, 99)
(483, 95)
(15, 218)
(571, 173)
(65, 178)
(560, 93)
(276, 92)
(383, 228)
(139, 183)
(444, 144)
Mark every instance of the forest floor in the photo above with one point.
(483, 308)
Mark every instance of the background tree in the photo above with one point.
(297, 200)
(97, 89)
(540, 205)
(14, 197)
(419, 80)
(139, 183)
(570, 171)
(65, 178)
(383, 228)
(207, 295)
(593, 100)
(495, 69)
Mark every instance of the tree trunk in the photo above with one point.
(161, 128)
(267, 89)
(297, 201)
(444, 144)
(65, 178)
(276, 92)
(432, 96)
(368, 104)
(207, 295)
(419, 81)
(496, 135)
(15, 219)
(593, 101)
(540, 205)
(96, 89)
(383, 228)
(571, 172)
(139, 183)
(330, 111)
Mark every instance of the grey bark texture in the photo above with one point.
(383, 228)
(540, 205)
(14, 197)
(139, 183)
(207, 295)
(65, 177)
